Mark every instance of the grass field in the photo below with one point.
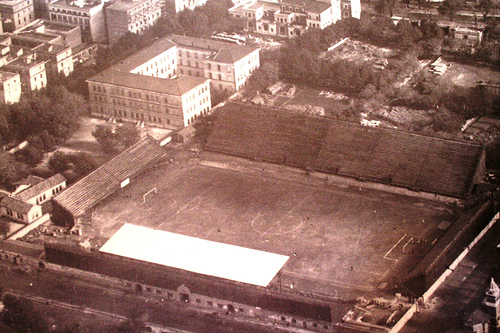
(338, 238)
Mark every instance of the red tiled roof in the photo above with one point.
(382, 155)
(105, 180)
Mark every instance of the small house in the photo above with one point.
(19, 211)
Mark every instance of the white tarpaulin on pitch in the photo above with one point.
(195, 255)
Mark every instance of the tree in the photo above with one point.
(194, 23)
(10, 169)
(450, 8)
(488, 7)
(386, 6)
(20, 315)
(114, 140)
(74, 166)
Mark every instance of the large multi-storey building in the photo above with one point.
(16, 13)
(227, 65)
(289, 18)
(89, 15)
(131, 15)
(10, 87)
(145, 88)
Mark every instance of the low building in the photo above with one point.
(88, 15)
(41, 192)
(78, 200)
(144, 88)
(71, 35)
(16, 14)
(227, 65)
(49, 48)
(59, 58)
(31, 70)
(19, 210)
(131, 15)
(287, 18)
(10, 87)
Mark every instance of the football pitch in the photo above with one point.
(339, 238)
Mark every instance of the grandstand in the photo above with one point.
(78, 199)
(397, 158)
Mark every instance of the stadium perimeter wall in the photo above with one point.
(448, 248)
(271, 302)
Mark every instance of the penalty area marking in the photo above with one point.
(392, 248)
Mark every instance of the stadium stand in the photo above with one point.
(79, 198)
(388, 156)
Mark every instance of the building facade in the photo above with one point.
(89, 15)
(16, 14)
(286, 18)
(351, 8)
(131, 15)
(145, 88)
(19, 211)
(227, 65)
(31, 70)
(10, 87)
(43, 191)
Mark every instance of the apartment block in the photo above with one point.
(87, 14)
(10, 87)
(31, 70)
(227, 65)
(131, 15)
(49, 48)
(286, 18)
(16, 14)
(145, 88)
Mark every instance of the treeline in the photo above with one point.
(300, 62)
(43, 119)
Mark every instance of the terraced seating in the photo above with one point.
(317, 143)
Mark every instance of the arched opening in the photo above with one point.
(184, 297)
(230, 308)
(138, 289)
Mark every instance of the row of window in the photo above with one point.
(57, 189)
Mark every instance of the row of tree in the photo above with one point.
(299, 61)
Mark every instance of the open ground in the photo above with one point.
(339, 238)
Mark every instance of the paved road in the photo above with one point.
(462, 292)
(92, 297)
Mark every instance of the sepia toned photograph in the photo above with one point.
(250, 166)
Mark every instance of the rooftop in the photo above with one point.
(16, 205)
(223, 52)
(41, 187)
(175, 87)
(5, 76)
(102, 182)
(195, 255)
(144, 55)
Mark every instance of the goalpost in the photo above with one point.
(153, 190)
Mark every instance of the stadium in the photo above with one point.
(285, 217)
